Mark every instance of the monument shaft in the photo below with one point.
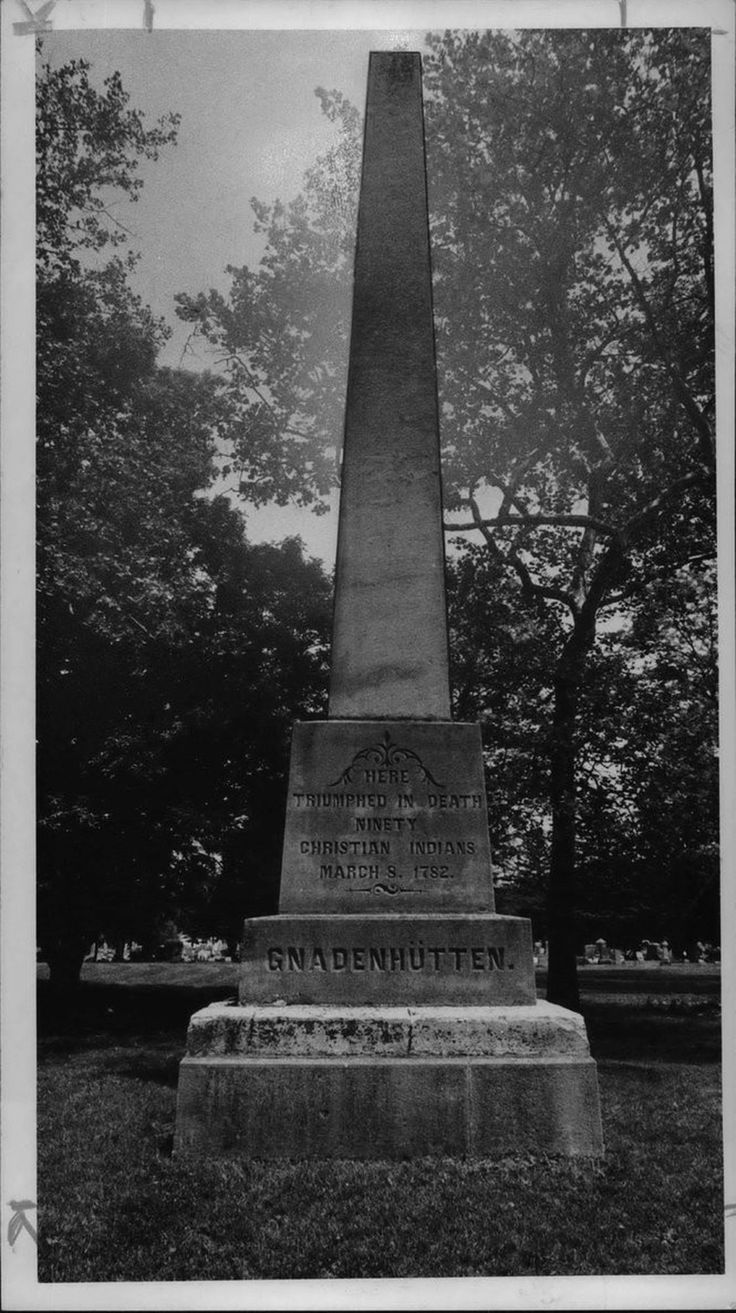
(389, 649)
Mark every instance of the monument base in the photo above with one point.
(310, 1081)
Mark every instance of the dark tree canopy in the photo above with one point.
(646, 745)
(172, 654)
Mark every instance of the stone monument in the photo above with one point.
(387, 1011)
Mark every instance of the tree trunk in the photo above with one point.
(65, 958)
(233, 946)
(562, 978)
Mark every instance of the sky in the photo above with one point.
(250, 126)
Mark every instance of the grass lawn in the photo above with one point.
(114, 1205)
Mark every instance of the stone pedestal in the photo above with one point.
(387, 1083)
(387, 1034)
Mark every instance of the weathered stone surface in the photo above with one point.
(547, 1106)
(298, 1030)
(386, 813)
(389, 1109)
(479, 959)
(389, 647)
(537, 1030)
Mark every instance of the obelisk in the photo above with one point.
(387, 1011)
(389, 645)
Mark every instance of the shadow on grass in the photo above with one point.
(100, 1015)
(677, 979)
(96, 1010)
(621, 1033)
(138, 1031)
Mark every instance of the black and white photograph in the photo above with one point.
(368, 669)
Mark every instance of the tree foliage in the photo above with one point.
(173, 655)
(282, 333)
(573, 238)
(89, 147)
(573, 243)
(646, 753)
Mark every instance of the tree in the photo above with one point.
(89, 144)
(667, 737)
(154, 772)
(172, 654)
(501, 676)
(647, 758)
(164, 721)
(580, 252)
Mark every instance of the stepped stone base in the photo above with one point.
(387, 1082)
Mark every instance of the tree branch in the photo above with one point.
(659, 503)
(596, 353)
(528, 586)
(511, 490)
(118, 224)
(140, 626)
(707, 205)
(256, 388)
(682, 391)
(532, 521)
(612, 559)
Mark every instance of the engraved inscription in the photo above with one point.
(377, 824)
(385, 826)
(397, 875)
(423, 847)
(345, 847)
(455, 801)
(331, 871)
(340, 799)
(398, 957)
(386, 758)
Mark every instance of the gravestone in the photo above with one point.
(388, 1011)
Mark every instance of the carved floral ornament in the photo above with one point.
(389, 755)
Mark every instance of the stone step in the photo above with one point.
(392, 1109)
(224, 1029)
